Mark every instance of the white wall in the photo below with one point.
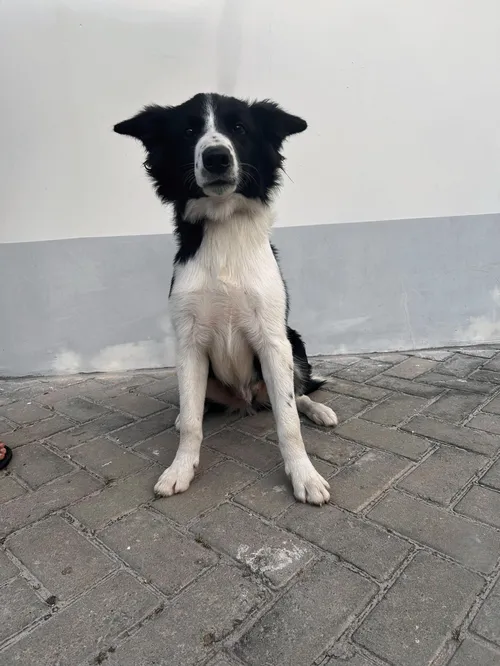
(402, 99)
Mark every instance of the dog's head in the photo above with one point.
(213, 146)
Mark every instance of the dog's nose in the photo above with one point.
(216, 159)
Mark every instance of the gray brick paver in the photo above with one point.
(198, 619)
(61, 558)
(309, 617)
(472, 544)
(266, 550)
(86, 627)
(419, 612)
(369, 548)
(401, 448)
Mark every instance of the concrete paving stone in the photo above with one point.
(272, 494)
(222, 660)
(107, 459)
(117, 499)
(92, 623)
(411, 368)
(206, 491)
(493, 407)
(265, 550)
(390, 357)
(467, 438)
(395, 409)
(492, 477)
(148, 544)
(159, 373)
(487, 621)
(7, 569)
(454, 406)
(9, 488)
(6, 426)
(406, 386)
(19, 607)
(52, 496)
(36, 465)
(380, 437)
(371, 549)
(461, 365)
(136, 404)
(162, 449)
(481, 504)
(358, 484)
(25, 413)
(36, 431)
(258, 425)
(83, 433)
(355, 660)
(363, 391)
(256, 453)
(157, 386)
(152, 425)
(74, 563)
(485, 376)
(451, 382)
(171, 396)
(189, 628)
(128, 380)
(308, 618)
(54, 392)
(488, 422)
(441, 476)
(326, 365)
(215, 421)
(482, 352)
(432, 354)
(493, 365)
(472, 653)
(345, 406)
(328, 446)
(472, 544)
(80, 410)
(418, 614)
(364, 369)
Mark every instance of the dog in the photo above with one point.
(218, 161)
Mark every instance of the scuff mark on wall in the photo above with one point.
(484, 328)
(67, 363)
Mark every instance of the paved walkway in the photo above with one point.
(401, 568)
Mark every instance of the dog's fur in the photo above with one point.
(217, 160)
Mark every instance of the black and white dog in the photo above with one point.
(217, 160)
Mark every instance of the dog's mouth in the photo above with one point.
(219, 187)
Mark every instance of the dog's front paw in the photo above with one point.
(176, 478)
(308, 485)
(323, 415)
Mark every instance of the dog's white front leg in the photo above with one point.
(277, 367)
(192, 373)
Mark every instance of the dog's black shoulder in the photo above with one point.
(189, 238)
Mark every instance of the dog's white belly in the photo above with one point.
(221, 318)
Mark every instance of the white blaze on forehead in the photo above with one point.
(212, 137)
(209, 112)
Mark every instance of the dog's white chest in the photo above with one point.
(226, 294)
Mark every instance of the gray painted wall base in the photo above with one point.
(100, 304)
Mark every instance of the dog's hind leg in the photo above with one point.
(316, 412)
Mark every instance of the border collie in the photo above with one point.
(217, 159)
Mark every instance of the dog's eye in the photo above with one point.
(189, 131)
(240, 128)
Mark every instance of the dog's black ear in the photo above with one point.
(276, 123)
(148, 126)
